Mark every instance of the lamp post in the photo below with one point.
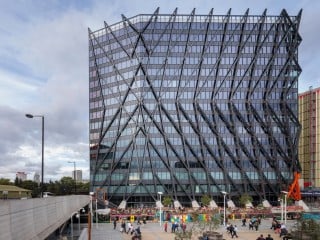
(71, 218)
(281, 207)
(28, 115)
(285, 206)
(91, 215)
(74, 176)
(224, 207)
(81, 210)
(96, 213)
(160, 193)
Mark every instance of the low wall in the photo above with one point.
(37, 218)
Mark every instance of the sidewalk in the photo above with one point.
(153, 231)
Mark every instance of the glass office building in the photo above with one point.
(192, 104)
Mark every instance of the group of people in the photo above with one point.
(267, 238)
(175, 226)
(232, 230)
(129, 229)
(279, 228)
(254, 223)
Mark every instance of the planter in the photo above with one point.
(212, 235)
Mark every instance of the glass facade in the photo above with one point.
(194, 104)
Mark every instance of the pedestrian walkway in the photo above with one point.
(153, 231)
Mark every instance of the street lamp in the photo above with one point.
(71, 218)
(42, 149)
(91, 215)
(79, 215)
(160, 193)
(224, 207)
(74, 176)
(96, 213)
(281, 207)
(285, 206)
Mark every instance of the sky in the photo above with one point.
(44, 71)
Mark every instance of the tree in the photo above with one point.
(67, 185)
(205, 199)
(17, 182)
(306, 229)
(166, 201)
(244, 199)
(5, 181)
(83, 187)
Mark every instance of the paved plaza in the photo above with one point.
(153, 231)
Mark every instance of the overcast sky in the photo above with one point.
(44, 71)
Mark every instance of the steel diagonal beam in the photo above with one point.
(222, 48)
(115, 69)
(204, 45)
(257, 117)
(209, 18)
(250, 131)
(242, 147)
(183, 161)
(234, 66)
(165, 63)
(140, 32)
(253, 60)
(118, 111)
(164, 160)
(108, 29)
(260, 43)
(184, 54)
(173, 176)
(101, 95)
(263, 151)
(117, 72)
(171, 21)
(276, 48)
(113, 146)
(219, 160)
(227, 148)
(238, 56)
(187, 143)
(190, 145)
(237, 141)
(216, 67)
(151, 116)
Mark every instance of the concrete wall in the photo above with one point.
(37, 218)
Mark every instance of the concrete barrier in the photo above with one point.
(37, 218)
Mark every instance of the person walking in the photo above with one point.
(166, 226)
(130, 228)
(244, 220)
(256, 225)
(234, 231)
(173, 227)
(114, 223)
(123, 226)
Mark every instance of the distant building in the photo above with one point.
(21, 176)
(14, 192)
(77, 175)
(309, 144)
